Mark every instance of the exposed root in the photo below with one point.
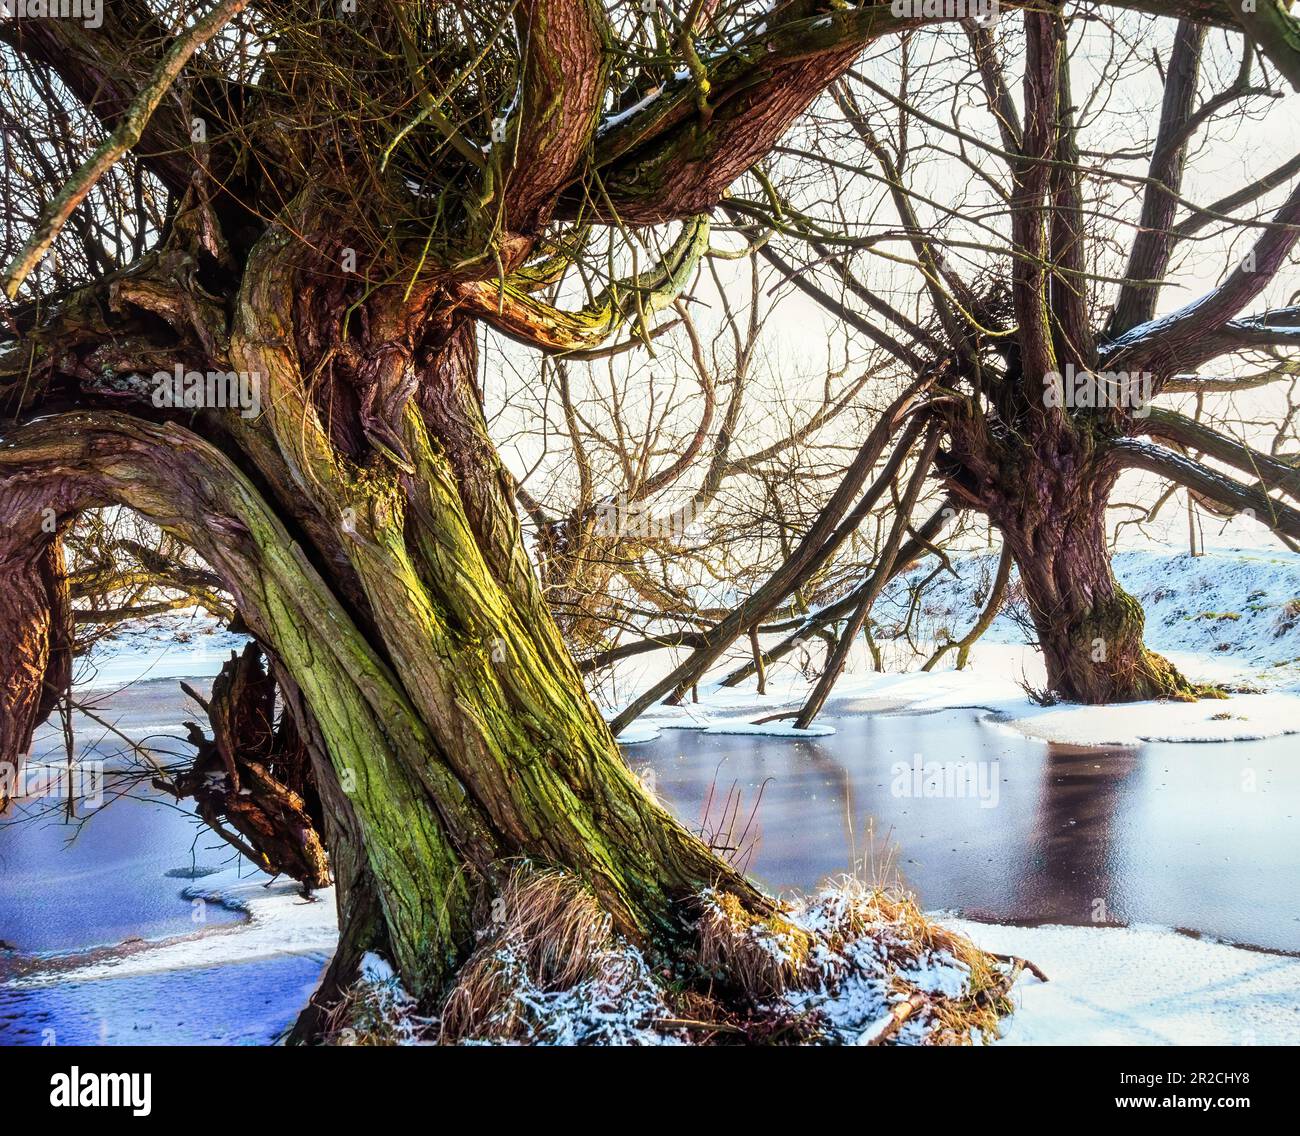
(252, 780)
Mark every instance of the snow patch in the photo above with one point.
(280, 922)
(639, 732)
(1233, 719)
(1143, 986)
(771, 729)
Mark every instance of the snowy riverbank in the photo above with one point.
(1228, 617)
(240, 983)
(245, 985)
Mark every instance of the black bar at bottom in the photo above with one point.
(143, 1084)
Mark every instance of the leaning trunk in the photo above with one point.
(385, 458)
(364, 526)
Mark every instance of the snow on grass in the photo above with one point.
(852, 964)
(618, 1004)
(871, 955)
(1143, 986)
(378, 1009)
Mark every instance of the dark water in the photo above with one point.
(1203, 837)
(110, 883)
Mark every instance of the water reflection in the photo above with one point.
(1204, 837)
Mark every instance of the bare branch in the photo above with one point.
(1200, 478)
(127, 134)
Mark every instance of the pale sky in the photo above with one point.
(800, 337)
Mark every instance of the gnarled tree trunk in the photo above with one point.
(1049, 502)
(1089, 628)
(370, 543)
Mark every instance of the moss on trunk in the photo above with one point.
(1089, 628)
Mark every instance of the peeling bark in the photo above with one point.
(36, 632)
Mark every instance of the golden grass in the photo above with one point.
(761, 955)
(551, 933)
(768, 978)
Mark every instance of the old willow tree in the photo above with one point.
(1047, 283)
(327, 198)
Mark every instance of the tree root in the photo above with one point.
(253, 776)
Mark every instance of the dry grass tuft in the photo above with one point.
(862, 927)
(762, 956)
(558, 925)
(552, 970)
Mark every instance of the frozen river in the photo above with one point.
(980, 820)
(974, 817)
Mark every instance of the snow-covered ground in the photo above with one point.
(988, 683)
(1232, 616)
(1143, 986)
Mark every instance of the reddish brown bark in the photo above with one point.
(1049, 502)
(253, 775)
(35, 628)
